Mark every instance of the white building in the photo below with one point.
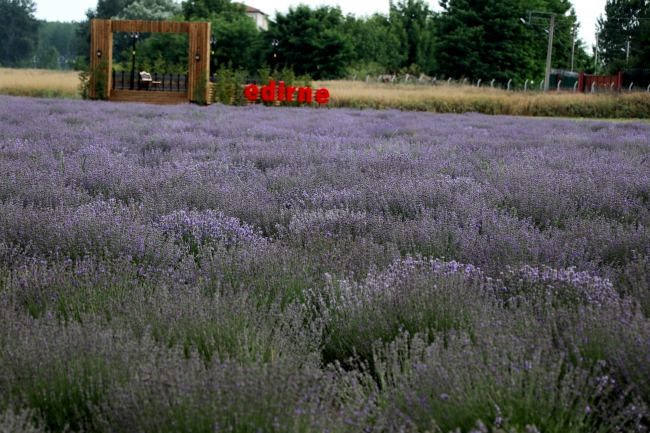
(260, 18)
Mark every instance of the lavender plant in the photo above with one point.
(289, 269)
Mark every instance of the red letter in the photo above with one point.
(281, 91)
(322, 96)
(268, 92)
(290, 90)
(304, 93)
(251, 92)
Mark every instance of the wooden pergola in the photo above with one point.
(101, 48)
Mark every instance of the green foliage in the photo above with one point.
(200, 90)
(84, 83)
(311, 40)
(376, 46)
(413, 23)
(99, 75)
(49, 58)
(106, 9)
(59, 35)
(18, 32)
(238, 41)
(206, 9)
(149, 10)
(165, 52)
(616, 27)
(487, 40)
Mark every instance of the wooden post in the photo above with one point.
(101, 41)
(199, 69)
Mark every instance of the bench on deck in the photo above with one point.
(145, 77)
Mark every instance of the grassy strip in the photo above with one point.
(443, 99)
(437, 99)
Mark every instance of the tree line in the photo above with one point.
(476, 39)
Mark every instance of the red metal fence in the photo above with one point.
(599, 82)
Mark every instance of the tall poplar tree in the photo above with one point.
(622, 22)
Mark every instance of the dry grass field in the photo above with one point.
(461, 99)
(39, 83)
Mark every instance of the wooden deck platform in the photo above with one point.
(149, 97)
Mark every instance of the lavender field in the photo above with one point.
(254, 269)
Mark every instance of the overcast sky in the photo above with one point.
(73, 10)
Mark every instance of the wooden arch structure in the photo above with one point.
(101, 48)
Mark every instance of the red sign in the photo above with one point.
(285, 93)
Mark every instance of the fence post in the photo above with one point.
(464, 81)
(620, 81)
(434, 80)
(541, 85)
(559, 83)
(392, 79)
(648, 91)
(379, 78)
(406, 78)
(449, 81)
(492, 84)
(629, 90)
(575, 87)
(367, 78)
(479, 83)
(509, 81)
(581, 82)
(611, 87)
(354, 78)
(593, 84)
(526, 85)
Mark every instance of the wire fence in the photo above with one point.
(636, 79)
(559, 80)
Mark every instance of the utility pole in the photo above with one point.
(549, 53)
(573, 45)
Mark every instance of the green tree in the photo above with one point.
(485, 39)
(168, 52)
(149, 10)
(413, 23)
(18, 32)
(60, 35)
(238, 39)
(48, 58)
(310, 40)
(206, 9)
(239, 42)
(619, 26)
(641, 40)
(376, 49)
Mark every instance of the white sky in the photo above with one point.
(74, 10)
